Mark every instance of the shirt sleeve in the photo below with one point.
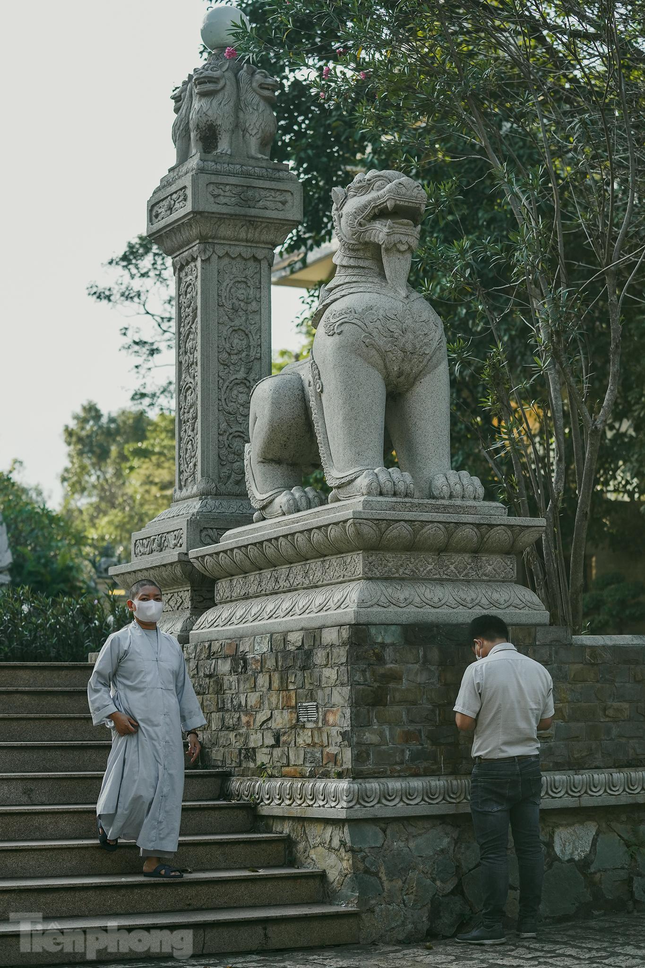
(549, 708)
(189, 709)
(99, 695)
(469, 698)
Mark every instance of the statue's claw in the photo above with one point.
(457, 486)
(291, 501)
(382, 482)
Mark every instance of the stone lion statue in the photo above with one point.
(225, 108)
(377, 378)
(257, 121)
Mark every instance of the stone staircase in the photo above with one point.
(240, 893)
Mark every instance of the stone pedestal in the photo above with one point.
(369, 561)
(220, 220)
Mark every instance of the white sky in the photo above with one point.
(87, 118)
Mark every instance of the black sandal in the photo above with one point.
(103, 838)
(165, 871)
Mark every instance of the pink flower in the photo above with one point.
(326, 72)
(230, 53)
(322, 95)
(362, 75)
(341, 50)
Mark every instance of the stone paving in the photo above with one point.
(613, 942)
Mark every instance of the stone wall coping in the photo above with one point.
(346, 799)
(599, 640)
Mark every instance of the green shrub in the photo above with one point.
(47, 550)
(612, 603)
(35, 628)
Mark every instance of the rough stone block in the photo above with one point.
(564, 890)
(574, 842)
(611, 853)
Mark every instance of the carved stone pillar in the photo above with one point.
(219, 215)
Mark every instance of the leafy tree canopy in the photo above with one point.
(47, 549)
(119, 475)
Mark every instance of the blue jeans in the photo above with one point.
(503, 792)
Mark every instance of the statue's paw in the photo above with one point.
(382, 482)
(291, 501)
(457, 486)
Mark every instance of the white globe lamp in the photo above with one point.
(216, 28)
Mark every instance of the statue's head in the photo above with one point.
(382, 208)
(179, 94)
(207, 82)
(261, 83)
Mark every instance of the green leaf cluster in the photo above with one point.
(47, 549)
(613, 604)
(119, 475)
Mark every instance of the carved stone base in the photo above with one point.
(369, 561)
(348, 799)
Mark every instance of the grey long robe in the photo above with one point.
(142, 789)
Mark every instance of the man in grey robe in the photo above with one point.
(141, 690)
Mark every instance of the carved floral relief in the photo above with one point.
(187, 378)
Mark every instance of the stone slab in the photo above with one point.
(617, 940)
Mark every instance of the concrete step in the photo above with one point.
(208, 931)
(54, 699)
(83, 787)
(78, 820)
(59, 757)
(55, 727)
(64, 897)
(53, 757)
(66, 856)
(31, 674)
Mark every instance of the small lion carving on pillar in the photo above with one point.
(225, 108)
(377, 378)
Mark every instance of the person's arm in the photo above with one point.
(468, 702)
(548, 710)
(465, 723)
(99, 697)
(189, 709)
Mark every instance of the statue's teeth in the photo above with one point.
(391, 204)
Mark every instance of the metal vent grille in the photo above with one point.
(307, 712)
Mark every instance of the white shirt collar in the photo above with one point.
(502, 647)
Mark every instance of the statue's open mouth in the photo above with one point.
(208, 82)
(402, 212)
(267, 89)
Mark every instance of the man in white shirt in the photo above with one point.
(505, 698)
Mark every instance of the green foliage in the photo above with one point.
(36, 628)
(612, 603)
(47, 549)
(119, 475)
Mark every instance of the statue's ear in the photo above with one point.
(338, 195)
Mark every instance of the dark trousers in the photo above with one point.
(503, 792)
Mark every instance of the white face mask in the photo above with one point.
(148, 611)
